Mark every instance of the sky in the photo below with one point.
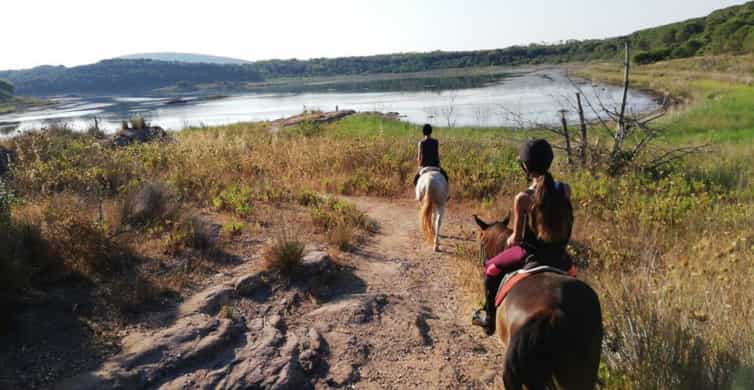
(75, 32)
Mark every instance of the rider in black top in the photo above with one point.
(428, 153)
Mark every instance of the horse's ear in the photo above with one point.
(482, 225)
(507, 219)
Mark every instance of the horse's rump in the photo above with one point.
(562, 330)
(432, 192)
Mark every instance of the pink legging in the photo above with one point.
(506, 261)
(512, 259)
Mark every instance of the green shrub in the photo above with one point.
(236, 199)
(309, 198)
(307, 129)
(234, 228)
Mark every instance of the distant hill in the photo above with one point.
(6, 90)
(726, 31)
(184, 57)
(125, 77)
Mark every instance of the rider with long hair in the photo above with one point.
(542, 224)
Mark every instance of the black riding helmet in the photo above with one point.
(537, 155)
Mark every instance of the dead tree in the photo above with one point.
(621, 131)
(582, 124)
(566, 136)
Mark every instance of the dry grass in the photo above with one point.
(679, 241)
(283, 257)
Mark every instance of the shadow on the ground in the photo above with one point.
(421, 323)
(341, 282)
(67, 327)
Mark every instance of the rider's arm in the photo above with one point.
(419, 155)
(521, 204)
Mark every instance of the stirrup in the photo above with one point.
(479, 318)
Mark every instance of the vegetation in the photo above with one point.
(726, 31)
(6, 90)
(284, 256)
(124, 76)
(669, 250)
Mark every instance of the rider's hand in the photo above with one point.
(512, 241)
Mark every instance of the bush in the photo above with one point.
(234, 228)
(652, 352)
(307, 129)
(341, 236)
(649, 57)
(83, 244)
(236, 199)
(139, 123)
(23, 253)
(284, 256)
(192, 232)
(151, 204)
(309, 198)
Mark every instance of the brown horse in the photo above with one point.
(551, 325)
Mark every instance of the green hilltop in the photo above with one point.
(725, 31)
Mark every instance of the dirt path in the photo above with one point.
(386, 315)
(423, 338)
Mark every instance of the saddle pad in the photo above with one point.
(514, 278)
(429, 169)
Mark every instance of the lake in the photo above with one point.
(517, 99)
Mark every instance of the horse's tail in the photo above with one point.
(532, 353)
(426, 215)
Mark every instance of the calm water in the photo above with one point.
(520, 100)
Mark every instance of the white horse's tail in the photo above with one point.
(426, 216)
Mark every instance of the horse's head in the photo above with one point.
(493, 236)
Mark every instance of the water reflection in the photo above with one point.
(461, 101)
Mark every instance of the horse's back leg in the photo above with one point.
(438, 222)
(580, 373)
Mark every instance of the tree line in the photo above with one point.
(6, 90)
(726, 31)
(124, 76)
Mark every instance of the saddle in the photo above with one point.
(429, 169)
(512, 279)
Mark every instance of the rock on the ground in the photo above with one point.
(248, 285)
(202, 352)
(209, 301)
(313, 117)
(352, 353)
(147, 359)
(358, 310)
(317, 262)
(129, 136)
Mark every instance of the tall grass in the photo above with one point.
(669, 252)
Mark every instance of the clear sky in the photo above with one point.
(73, 32)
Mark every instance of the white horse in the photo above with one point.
(432, 191)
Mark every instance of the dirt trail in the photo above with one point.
(386, 315)
(424, 338)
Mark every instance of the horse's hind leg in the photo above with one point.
(438, 222)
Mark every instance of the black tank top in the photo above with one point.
(430, 154)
